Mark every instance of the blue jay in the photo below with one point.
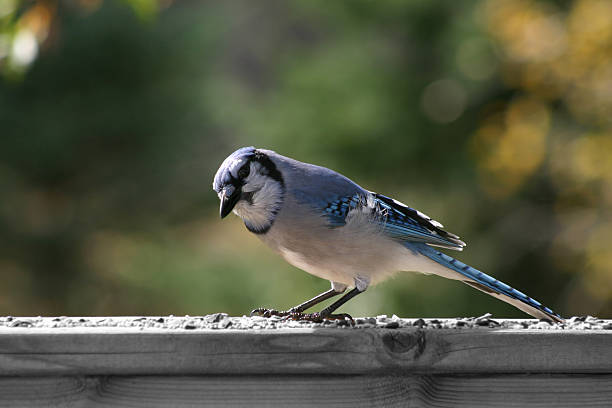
(322, 222)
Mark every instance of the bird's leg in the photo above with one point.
(299, 308)
(327, 313)
(316, 300)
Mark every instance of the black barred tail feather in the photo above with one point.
(490, 285)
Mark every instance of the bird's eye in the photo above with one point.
(244, 171)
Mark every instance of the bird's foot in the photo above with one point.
(264, 312)
(321, 317)
(309, 317)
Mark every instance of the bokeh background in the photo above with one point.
(494, 117)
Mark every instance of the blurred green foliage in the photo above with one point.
(491, 116)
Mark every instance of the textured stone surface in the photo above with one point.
(223, 321)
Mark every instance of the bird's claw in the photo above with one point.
(263, 312)
(309, 317)
(341, 318)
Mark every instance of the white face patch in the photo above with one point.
(259, 211)
(256, 179)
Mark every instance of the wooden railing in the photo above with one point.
(217, 360)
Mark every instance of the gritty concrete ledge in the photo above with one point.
(223, 321)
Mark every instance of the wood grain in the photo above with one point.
(337, 367)
(508, 390)
(124, 351)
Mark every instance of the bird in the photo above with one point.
(322, 222)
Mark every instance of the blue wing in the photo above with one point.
(407, 224)
(337, 210)
(397, 220)
(419, 233)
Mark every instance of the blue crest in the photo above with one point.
(229, 167)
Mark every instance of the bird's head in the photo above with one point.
(249, 183)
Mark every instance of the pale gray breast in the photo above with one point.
(302, 227)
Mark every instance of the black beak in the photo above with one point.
(229, 198)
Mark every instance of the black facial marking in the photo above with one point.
(244, 171)
(270, 167)
(242, 174)
(260, 230)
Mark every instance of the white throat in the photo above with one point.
(259, 212)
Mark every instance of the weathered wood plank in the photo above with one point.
(128, 351)
(130, 362)
(510, 390)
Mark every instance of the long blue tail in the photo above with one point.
(488, 284)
